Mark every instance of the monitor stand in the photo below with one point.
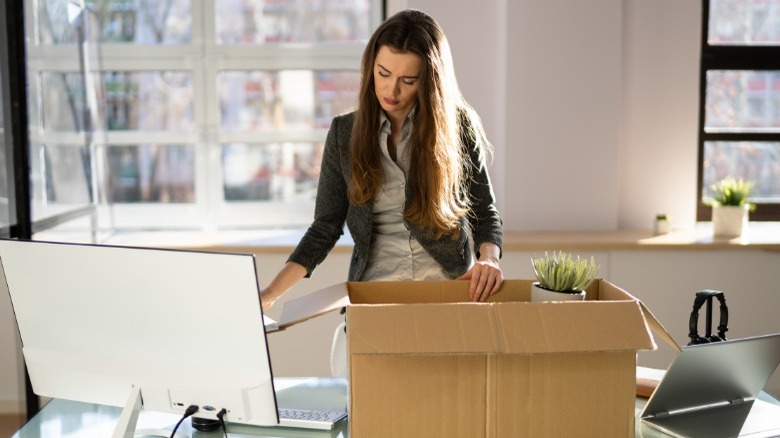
(204, 424)
(126, 427)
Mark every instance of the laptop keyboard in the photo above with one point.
(310, 419)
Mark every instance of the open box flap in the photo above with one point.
(658, 328)
(608, 291)
(338, 296)
(314, 304)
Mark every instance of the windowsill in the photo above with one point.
(759, 235)
(240, 241)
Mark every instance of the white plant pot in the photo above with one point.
(540, 294)
(729, 220)
(661, 226)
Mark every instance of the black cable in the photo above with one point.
(189, 411)
(221, 417)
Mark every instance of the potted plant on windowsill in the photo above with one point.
(561, 277)
(661, 224)
(730, 206)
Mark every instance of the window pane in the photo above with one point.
(146, 101)
(756, 161)
(744, 22)
(115, 21)
(60, 174)
(149, 101)
(63, 102)
(151, 173)
(271, 172)
(289, 99)
(292, 21)
(742, 100)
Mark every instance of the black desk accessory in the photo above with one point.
(701, 298)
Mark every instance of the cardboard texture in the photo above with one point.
(425, 361)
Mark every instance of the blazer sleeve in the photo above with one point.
(484, 219)
(331, 203)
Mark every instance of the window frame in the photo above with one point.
(731, 57)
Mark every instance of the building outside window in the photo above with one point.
(739, 132)
(188, 114)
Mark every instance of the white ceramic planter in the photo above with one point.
(661, 226)
(729, 220)
(539, 294)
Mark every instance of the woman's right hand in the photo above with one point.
(267, 299)
(290, 274)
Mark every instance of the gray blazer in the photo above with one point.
(333, 210)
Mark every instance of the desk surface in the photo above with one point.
(62, 418)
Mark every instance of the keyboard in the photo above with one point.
(310, 419)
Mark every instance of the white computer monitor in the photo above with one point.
(171, 328)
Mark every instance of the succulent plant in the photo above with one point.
(560, 272)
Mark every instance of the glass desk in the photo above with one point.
(62, 418)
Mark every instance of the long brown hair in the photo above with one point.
(437, 175)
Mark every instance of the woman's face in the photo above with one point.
(396, 79)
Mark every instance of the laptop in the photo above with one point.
(158, 328)
(709, 389)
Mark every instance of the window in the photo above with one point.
(739, 128)
(189, 113)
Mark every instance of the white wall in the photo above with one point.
(658, 150)
(563, 89)
(592, 106)
(476, 32)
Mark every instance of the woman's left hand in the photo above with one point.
(486, 276)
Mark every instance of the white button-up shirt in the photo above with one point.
(394, 253)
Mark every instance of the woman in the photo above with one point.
(406, 172)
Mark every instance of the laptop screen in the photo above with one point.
(714, 374)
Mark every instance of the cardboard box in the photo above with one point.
(426, 362)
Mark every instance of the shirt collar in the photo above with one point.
(384, 122)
